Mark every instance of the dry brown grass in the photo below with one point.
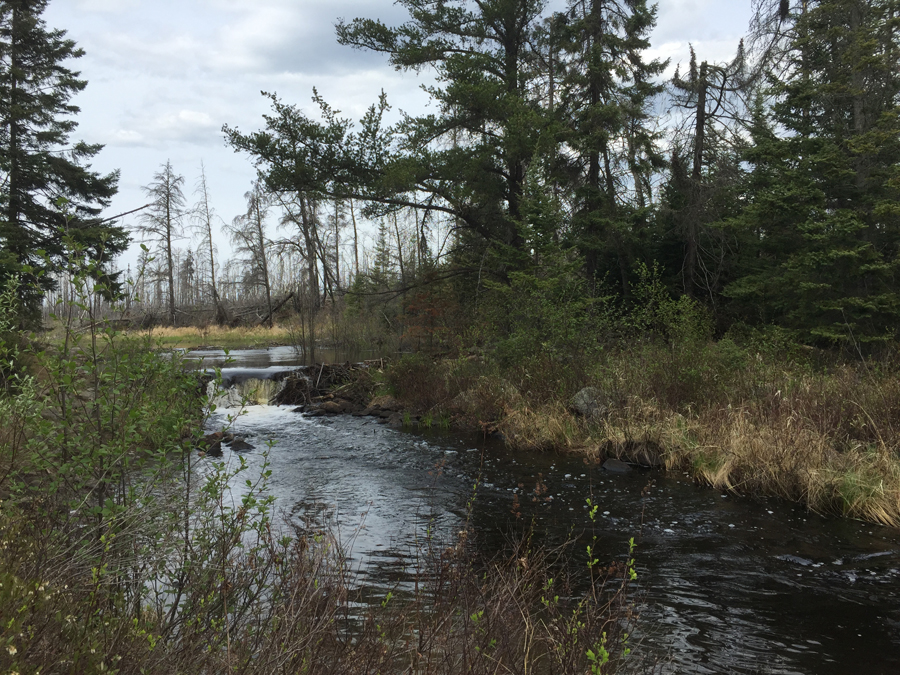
(197, 336)
(827, 437)
(811, 446)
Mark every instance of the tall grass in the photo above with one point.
(808, 428)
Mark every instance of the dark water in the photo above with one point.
(730, 585)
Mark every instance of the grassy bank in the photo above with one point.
(753, 418)
(242, 337)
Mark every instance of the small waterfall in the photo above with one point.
(246, 387)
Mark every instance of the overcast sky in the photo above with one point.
(165, 75)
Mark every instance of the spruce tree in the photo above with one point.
(823, 197)
(48, 190)
(605, 92)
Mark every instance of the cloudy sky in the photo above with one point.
(165, 75)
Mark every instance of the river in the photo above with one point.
(728, 584)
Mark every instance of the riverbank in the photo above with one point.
(799, 426)
(123, 549)
(242, 337)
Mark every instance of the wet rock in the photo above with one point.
(211, 444)
(590, 403)
(299, 409)
(347, 407)
(331, 408)
(388, 403)
(616, 466)
(213, 449)
(240, 445)
(395, 421)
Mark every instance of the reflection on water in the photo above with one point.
(731, 585)
(283, 357)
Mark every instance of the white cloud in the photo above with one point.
(165, 75)
(114, 6)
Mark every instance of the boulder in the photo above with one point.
(347, 407)
(332, 407)
(240, 445)
(590, 403)
(213, 449)
(616, 466)
(211, 444)
(386, 403)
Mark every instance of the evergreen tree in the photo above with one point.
(822, 199)
(605, 92)
(704, 170)
(38, 164)
(467, 161)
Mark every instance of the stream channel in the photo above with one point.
(728, 584)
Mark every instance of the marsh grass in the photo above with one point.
(806, 427)
(231, 338)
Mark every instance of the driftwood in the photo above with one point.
(309, 383)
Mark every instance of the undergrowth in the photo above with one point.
(751, 411)
(124, 550)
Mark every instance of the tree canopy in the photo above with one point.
(48, 190)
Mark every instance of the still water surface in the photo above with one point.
(730, 584)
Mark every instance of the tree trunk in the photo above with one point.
(261, 242)
(171, 273)
(691, 226)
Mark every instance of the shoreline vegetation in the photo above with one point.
(755, 415)
(123, 551)
(751, 412)
(822, 437)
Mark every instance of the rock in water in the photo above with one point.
(332, 408)
(388, 403)
(240, 445)
(616, 466)
(590, 403)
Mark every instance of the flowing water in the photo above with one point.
(729, 584)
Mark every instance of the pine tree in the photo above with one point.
(467, 161)
(38, 164)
